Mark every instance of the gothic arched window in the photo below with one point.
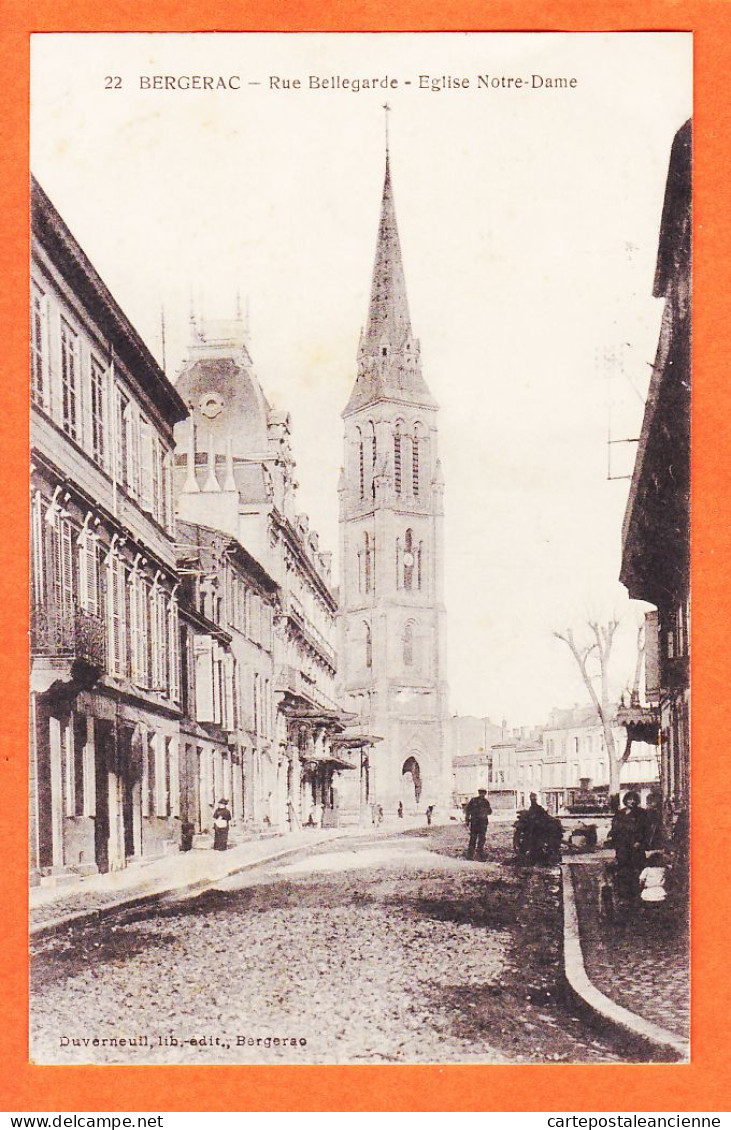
(368, 646)
(374, 453)
(409, 560)
(361, 465)
(368, 561)
(415, 463)
(419, 560)
(409, 645)
(397, 459)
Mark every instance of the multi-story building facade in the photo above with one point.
(575, 759)
(231, 676)
(656, 531)
(105, 673)
(392, 645)
(560, 762)
(234, 474)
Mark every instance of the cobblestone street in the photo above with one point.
(371, 950)
(639, 961)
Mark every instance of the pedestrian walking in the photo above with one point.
(221, 819)
(400, 810)
(429, 814)
(476, 818)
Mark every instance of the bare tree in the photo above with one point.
(634, 698)
(599, 650)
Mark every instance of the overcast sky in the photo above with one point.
(528, 219)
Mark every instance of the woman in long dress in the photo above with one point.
(221, 820)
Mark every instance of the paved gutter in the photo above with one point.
(599, 1004)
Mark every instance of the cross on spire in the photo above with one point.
(387, 111)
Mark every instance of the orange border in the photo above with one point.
(702, 1086)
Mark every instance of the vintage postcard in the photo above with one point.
(360, 474)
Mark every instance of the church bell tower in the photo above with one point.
(392, 645)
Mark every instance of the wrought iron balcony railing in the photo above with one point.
(68, 633)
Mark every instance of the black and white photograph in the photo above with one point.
(359, 542)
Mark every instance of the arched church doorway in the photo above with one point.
(411, 784)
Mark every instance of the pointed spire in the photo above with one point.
(388, 313)
(388, 353)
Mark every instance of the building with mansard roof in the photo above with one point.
(234, 474)
(392, 643)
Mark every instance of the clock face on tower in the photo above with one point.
(211, 404)
(408, 560)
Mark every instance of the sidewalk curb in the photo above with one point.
(56, 925)
(600, 1005)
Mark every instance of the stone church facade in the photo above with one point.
(392, 646)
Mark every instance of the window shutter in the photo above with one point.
(134, 625)
(132, 438)
(39, 580)
(229, 722)
(162, 643)
(145, 656)
(66, 564)
(173, 649)
(88, 573)
(174, 752)
(146, 465)
(168, 513)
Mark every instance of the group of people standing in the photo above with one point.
(641, 841)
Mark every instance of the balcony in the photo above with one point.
(71, 640)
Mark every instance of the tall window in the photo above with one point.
(361, 466)
(415, 464)
(116, 615)
(409, 645)
(38, 347)
(397, 459)
(69, 378)
(368, 646)
(158, 509)
(122, 453)
(374, 454)
(98, 412)
(139, 629)
(409, 560)
(368, 562)
(159, 639)
(146, 457)
(132, 441)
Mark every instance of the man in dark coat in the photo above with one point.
(476, 815)
(654, 824)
